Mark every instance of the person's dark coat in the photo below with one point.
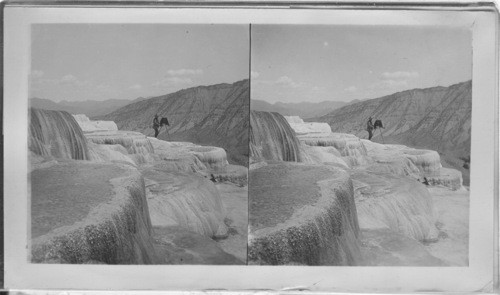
(369, 128)
(156, 125)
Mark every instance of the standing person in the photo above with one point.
(156, 125)
(369, 128)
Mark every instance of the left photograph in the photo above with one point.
(138, 144)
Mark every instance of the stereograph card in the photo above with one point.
(163, 148)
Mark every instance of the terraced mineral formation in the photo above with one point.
(272, 138)
(401, 204)
(100, 210)
(214, 115)
(134, 142)
(235, 200)
(175, 245)
(193, 203)
(88, 125)
(436, 118)
(416, 163)
(56, 134)
(351, 149)
(384, 247)
(93, 213)
(452, 210)
(447, 177)
(114, 145)
(300, 127)
(394, 194)
(326, 155)
(302, 214)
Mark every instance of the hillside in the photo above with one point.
(301, 109)
(209, 115)
(437, 118)
(322, 198)
(91, 108)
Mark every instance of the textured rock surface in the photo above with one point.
(383, 247)
(400, 204)
(450, 178)
(415, 163)
(396, 211)
(113, 153)
(272, 138)
(232, 173)
(437, 119)
(326, 155)
(215, 115)
(425, 160)
(134, 142)
(56, 134)
(213, 157)
(294, 119)
(194, 156)
(351, 149)
(235, 200)
(452, 209)
(173, 156)
(300, 127)
(94, 213)
(189, 201)
(133, 145)
(301, 214)
(175, 245)
(89, 126)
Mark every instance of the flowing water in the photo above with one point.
(272, 138)
(56, 134)
(402, 221)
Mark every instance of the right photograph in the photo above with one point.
(360, 145)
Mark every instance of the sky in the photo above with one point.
(77, 62)
(316, 63)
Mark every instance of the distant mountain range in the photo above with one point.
(437, 118)
(302, 109)
(91, 108)
(215, 115)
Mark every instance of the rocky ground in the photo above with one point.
(302, 214)
(453, 224)
(436, 118)
(134, 200)
(411, 210)
(214, 115)
(101, 195)
(235, 200)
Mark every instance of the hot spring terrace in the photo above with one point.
(379, 212)
(101, 195)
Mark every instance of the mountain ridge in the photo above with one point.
(437, 118)
(90, 108)
(208, 115)
(302, 109)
